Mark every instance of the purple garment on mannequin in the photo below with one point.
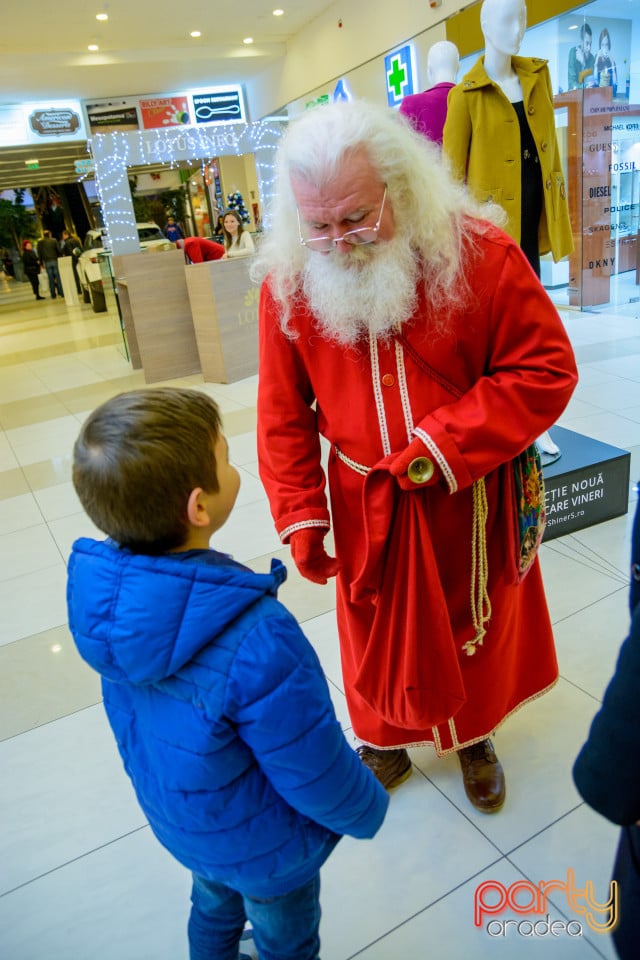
(427, 111)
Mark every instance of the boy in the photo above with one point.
(217, 700)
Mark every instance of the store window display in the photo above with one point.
(500, 135)
(427, 111)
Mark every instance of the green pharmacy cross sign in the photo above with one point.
(400, 75)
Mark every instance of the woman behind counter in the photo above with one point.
(237, 241)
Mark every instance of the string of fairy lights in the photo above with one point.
(113, 153)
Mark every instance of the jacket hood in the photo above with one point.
(141, 618)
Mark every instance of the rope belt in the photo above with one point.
(357, 467)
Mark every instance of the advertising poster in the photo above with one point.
(598, 56)
(164, 112)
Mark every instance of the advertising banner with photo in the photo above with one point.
(598, 54)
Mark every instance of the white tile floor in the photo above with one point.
(81, 877)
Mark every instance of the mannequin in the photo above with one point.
(500, 134)
(427, 111)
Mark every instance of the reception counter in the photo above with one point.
(224, 311)
(154, 305)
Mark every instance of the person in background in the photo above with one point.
(218, 235)
(32, 267)
(427, 111)
(173, 231)
(606, 74)
(48, 252)
(7, 262)
(199, 250)
(217, 700)
(70, 246)
(238, 242)
(607, 769)
(581, 60)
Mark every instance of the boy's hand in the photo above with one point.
(310, 556)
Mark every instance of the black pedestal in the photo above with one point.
(588, 484)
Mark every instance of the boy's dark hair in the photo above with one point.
(137, 459)
(585, 29)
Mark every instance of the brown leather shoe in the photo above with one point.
(483, 776)
(390, 767)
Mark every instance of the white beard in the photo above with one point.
(369, 290)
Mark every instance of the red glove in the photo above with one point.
(310, 556)
(423, 472)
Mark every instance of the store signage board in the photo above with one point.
(401, 74)
(32, 123)
(218, 105)
(161, 110)
(107, 116)
(342, 91)
(588, 484)
(164, 112)
(341, 94)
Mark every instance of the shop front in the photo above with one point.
(593, 53)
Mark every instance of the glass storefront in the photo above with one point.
(594, 63)
(603, 163)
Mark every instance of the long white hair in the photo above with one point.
(433, 213)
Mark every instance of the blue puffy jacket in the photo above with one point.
(221, 713)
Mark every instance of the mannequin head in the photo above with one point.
(503, 24)
(443, 61)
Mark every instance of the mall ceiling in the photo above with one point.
(144, 47)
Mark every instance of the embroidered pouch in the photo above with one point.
(530, 506)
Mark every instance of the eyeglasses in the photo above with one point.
(357, 237)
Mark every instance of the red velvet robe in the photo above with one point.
(506, 349)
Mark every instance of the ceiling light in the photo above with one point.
(278, 13)
(195, 33)
(102, 16)
(248, 40)
(93, 47)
